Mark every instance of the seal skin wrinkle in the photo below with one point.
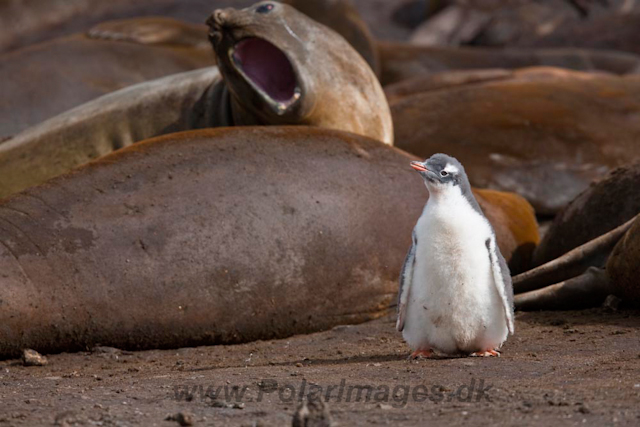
(456, 295)
(212, 236)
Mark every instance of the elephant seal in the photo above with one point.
(400, 61)
(545, 139)
(47, 79)
(206, 237)
(577, 280)
(603, 206)
(326, 83)
(282, 67)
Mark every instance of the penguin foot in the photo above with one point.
(486, 353)
(421, 353)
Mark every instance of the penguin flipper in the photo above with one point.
(502, 280)
(406, 278)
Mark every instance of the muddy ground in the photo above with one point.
(561, 368)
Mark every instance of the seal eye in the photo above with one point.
(265, 8)
(444, 173)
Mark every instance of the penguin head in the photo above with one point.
(441, 171)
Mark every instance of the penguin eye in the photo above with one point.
(444, 173)
(265, 8)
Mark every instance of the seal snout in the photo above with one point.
(218, 18)
(217, 22)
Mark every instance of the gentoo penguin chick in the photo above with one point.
(456, 295)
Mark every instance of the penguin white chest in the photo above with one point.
(453, 305)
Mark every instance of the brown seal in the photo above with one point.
(282, 67)
(212, 236)
(545, 139)
(400, 61)
(577, 280)
(311, 76)
(47, 79)
(603, 206)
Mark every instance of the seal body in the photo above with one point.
(203, 237)
(545, 138)
(605, 205)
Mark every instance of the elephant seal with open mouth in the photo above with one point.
(284, 68)
(278, 67)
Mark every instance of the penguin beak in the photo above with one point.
(419, 166)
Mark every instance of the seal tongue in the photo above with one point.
(267, 66)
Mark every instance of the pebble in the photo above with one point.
(182, 418)
(33, 358)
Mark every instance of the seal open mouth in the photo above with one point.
(268, 69)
